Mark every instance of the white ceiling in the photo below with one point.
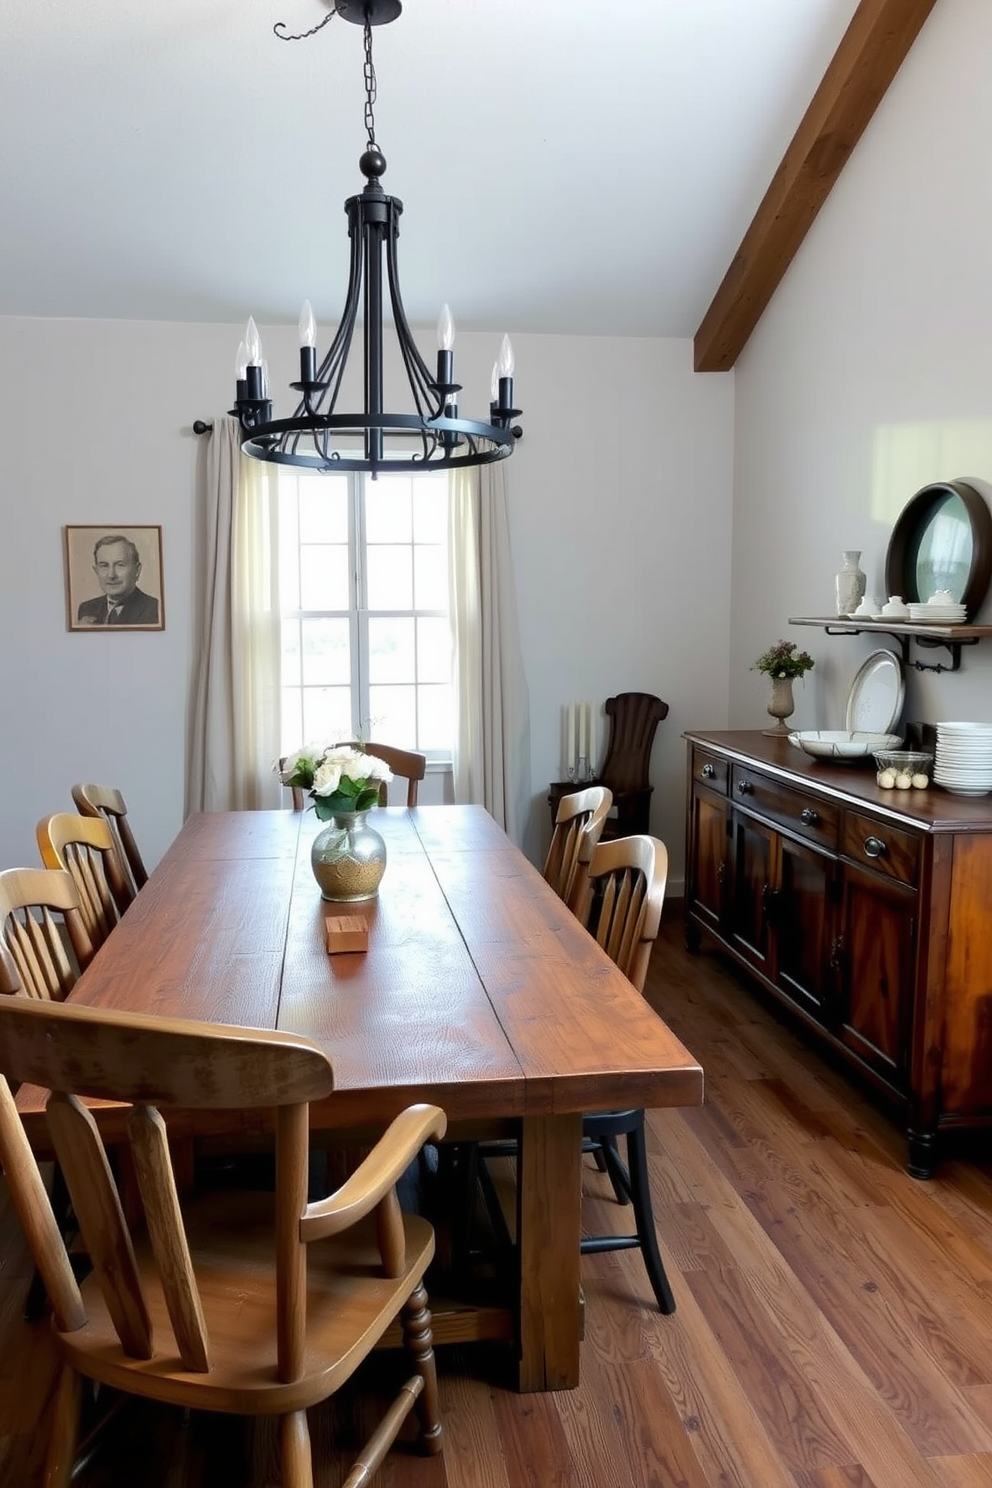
(565, 165)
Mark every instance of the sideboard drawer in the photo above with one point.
(807, 816)
(710, 770)
(884, 848)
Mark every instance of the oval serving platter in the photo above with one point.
(875, 700)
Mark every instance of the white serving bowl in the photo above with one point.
(842, 744)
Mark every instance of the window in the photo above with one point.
(366, 642)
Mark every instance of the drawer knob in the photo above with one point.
(707, 772)
(875, 847)
(809, 817)
(744, 787)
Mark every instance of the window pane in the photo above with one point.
(391, 650)
(324, 509)
(324, 578)
(326, 652)
(392, 716)
(289, 549)
(430, 570)
(430, 509)
(388, 510)
(291, 674)
(292, 733)
(390, 578)
(433, 650)
(437, 726)
(326, 715)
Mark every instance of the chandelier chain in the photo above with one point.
(370, 92)
(280, 29)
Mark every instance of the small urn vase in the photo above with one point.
(781, 705)
(850, 583)
(348, 858)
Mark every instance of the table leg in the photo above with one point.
(549, 1198)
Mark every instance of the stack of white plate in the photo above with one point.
(963, 758)
(946, 612)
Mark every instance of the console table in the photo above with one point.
(866, 911)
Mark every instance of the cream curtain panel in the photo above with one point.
(492, 744)
(233, 739)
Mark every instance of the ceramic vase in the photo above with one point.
(850, 584)
(781, 705)
(348, 858)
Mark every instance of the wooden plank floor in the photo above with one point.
(834, 1323)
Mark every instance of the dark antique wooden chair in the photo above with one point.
(634, 718)
(248, 1304)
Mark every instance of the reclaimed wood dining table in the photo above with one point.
(479, 991)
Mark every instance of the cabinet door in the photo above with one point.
(877, 954)
(707, 859)
(803, 923)
(754, 866)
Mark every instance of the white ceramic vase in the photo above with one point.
(850, 583)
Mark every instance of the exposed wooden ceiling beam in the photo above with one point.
(869, 56)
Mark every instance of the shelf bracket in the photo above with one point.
(954, 647)
(904, 639)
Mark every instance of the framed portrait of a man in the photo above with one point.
(113, 577)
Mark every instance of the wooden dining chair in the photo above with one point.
(104, 801)
(407, 764)
(628, 877)
(84, 847)
(44, 943)
(578, 827)
(256, 1304)
(627, 889)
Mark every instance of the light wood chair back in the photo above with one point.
(628, 877)
(254, 1304)
(84, 847)
(578, 827)
(407, 764)
(103, 800)
(44, 944)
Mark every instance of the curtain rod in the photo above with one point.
(199, 427)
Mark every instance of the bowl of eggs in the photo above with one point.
(903, 769)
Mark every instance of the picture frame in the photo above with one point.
(114, 577)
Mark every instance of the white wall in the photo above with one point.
(869, 377)
(620, 517)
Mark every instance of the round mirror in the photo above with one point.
(942, 540)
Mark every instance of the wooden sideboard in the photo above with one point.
(867, 911)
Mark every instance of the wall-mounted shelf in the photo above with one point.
(953, 637)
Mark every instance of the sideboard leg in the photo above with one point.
(922, 1154)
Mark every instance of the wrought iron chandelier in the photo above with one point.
(432, 435)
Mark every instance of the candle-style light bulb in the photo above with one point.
(445, 329)
(505, 362)
(253, 371)
(308, 326)
(502, 385)
(241, 362)
(308, 344)
(445, 355)
(253, 344)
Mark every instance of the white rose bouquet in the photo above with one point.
(341, 778)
